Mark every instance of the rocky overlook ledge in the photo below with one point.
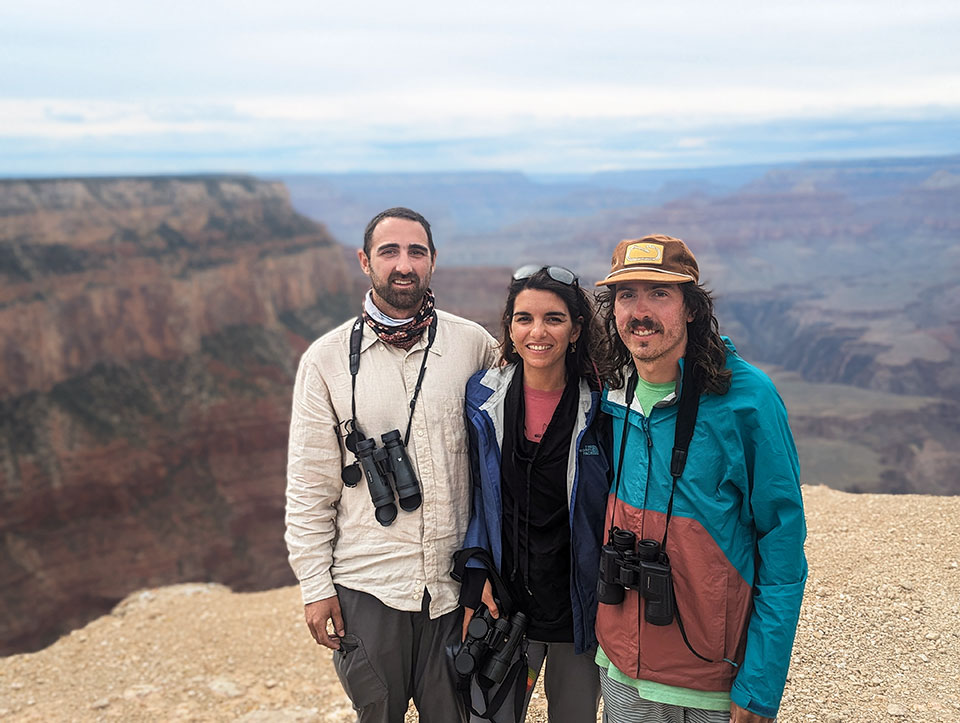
(150, 333)
(878, 640)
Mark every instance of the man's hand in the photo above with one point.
(742, 715)
(487, 597)
(317, 614)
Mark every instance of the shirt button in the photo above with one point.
(418, 582)
(416, 596)
(419, 432)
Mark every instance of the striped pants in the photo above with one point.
(623, 704)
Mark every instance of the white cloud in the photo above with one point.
(371, 73)
(461, 112)
(112, 49)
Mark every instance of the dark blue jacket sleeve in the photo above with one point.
(477, 528)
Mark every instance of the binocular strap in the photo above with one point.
(356, 336)
(511, 681)
(676, 614)
(630, 391)
(687, 409)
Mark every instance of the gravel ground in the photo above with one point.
(879, 638)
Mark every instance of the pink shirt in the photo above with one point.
(539, 407)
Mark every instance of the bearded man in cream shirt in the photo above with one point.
(376, 581)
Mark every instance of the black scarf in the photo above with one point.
(536, 533)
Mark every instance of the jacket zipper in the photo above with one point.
(645, 426)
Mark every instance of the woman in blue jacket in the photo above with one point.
(540, 477)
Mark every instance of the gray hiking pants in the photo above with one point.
(389, 656)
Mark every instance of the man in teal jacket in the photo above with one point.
(704, 630)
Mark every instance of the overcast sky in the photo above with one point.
(111, 86)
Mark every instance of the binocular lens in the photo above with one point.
(623, 540)
(386, 514)
(351, 475)
(465, 663)
(478, 627)
(648, 549)
(351, 440)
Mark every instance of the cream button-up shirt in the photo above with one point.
(332, 534)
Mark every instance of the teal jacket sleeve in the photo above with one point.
(781, 570)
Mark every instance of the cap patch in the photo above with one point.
(644, 252)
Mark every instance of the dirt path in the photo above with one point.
(879, 638)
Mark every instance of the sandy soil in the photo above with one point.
(879, 638)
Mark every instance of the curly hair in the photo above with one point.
(588, 358)
(705, 349)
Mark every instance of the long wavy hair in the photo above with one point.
(589, 357)
(706, 351)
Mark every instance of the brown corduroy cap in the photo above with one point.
(652, 258)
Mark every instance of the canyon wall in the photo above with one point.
(151, 329)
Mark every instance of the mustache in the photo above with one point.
(644, 324)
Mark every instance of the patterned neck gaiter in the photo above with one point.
(406, 335)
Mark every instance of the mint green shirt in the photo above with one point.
(649, 394)
(668, 694)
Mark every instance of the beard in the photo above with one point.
(640, 348)
(662, 343)
(406, 298)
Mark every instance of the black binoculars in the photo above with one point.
(625, 564)
(489, 646)
(381, 465)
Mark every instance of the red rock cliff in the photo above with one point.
(150, 333)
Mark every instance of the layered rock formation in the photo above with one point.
(151, 329)
(150, 333)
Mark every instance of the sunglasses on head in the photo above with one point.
(557, 273)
